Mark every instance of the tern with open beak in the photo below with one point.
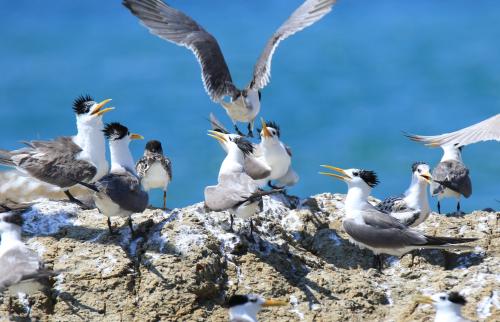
(412, 208)
(174, 26)
(370, 228)
(244, 308)
(448, 306)
(66, 160)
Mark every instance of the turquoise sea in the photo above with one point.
(342, 90)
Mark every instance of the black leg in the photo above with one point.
(250, 237)
(238, 130)
(9, 306)
(377, 262)
(164, 200)
(250, 132)
(130, 225)
(73, 199)
(109, 227)
(439, 207)
(269, 183)
(458, 207)
(231, 218)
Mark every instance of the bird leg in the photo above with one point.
(231, 218)
(439, 207)
(269, 183)
(111, 232)
(238, 130)
(250, 129)
(131, 226)
(458, 207)
(250, 237)
(9, 305)
(164, 200)
(73, 199)
(378, 263)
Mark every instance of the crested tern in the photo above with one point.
(65, 160)
(119, 193)
(244, 308)
(448, 306)
(371, 228)
(155, 169)
(412, 208)
(174, 26)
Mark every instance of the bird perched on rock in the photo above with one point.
(174, 26)
(244, 308)
(451, 176)
(371, 228)
(448, 306)
(412, 208)
(155, 169)
(119, 193)
(66, 160)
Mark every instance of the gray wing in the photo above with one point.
(392, 204)
(452, 175)
(17, 262)
(174, 26)
(486, 130)
(125, 190)
(288, 150)
(383, 231)
(255, 168)
(304, 16)
(289, 179)
(229, 192)
(53, 162)
(142, 166)
(167, 165)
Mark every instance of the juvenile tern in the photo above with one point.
(244, 308)
(370, 228)
(119, 193)
(65, 160)
(155, 169)
(448, 306)
(174, 26)
(412, 208)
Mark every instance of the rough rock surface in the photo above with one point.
(182, 264)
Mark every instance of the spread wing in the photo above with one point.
(304, 16)
(452, 175)
(229, 192)
(125, 190)
(486, 130)
(16, 261)
(255, 168)
(174, 26)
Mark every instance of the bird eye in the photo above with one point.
(253, 300)
(419, 170)
(355, 174)
(442, 298)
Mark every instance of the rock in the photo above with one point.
(182, 265)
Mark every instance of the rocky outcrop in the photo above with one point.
(181, 264)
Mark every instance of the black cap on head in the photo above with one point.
(244, 145)
(154, 146)
(15, 219)
(275, 126)
(415, 165)
(370, 177)
(115, 131)
(456, 298)
(82, 104)
(236, 300)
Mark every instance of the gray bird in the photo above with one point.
(119, 193)
(412, 208)
(174, 26)
(370, 228)
(155, 169)
(66, 160)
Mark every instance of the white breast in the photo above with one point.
(156, 177)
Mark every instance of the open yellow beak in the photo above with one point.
(343, 175)
(266, 133)
(99, 108)
(272, 302)
(135, 136)
(427, 176)
(424, 299)
(217, 135)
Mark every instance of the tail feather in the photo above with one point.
(5, 158)
(259, 194)
(447, 241)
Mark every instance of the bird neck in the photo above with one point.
(416, 194)
(451, 313)
(233, 161)
(357, 198)
(451, 153)
(121, 158)
(9, 235)
(242, 313)
(90, 139)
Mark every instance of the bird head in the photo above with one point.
(353, 177)
(154, 146)
(89, 111)
(116, 132)
(269, 131)
(442, 301)
(421, 172)
(247, 306)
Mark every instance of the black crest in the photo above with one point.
(415, 165)
(274, 125)
(370, 177)
(244, 145)
(456, 298)
(154, 146)
(82, 104)
(236, 300)
(15, 219)
(115, 131)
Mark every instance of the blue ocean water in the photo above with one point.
(342, 90)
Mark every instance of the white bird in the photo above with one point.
(66, 160)
(244, 308)
(119, 193)
(412, 208)
(174, 26)
(370, 228)
(272, 152)
(451, 176)
(155, 169)
(448, 306)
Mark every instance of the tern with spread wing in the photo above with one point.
(174, 26)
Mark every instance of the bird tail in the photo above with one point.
(258, 195)
(88, 185)
(5, 158)
(447, 242)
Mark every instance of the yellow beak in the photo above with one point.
(217, 135)
(135, 136)
(272, 302)
(99, 111)
(266, 133)
(343, 176)
(424, 299)
(427, 176)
